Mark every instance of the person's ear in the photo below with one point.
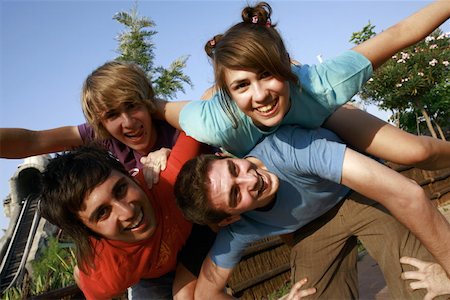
(229, 220)
(221, 154)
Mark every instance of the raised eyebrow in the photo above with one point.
(231, 168)
(231, 197)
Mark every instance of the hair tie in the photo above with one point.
(268, 24)
(212, 42)
(255, 19)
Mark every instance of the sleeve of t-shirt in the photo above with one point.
(184, 149)
(86, 132)
(316, 152)
(207, 122)
(327, 86)
(337, 80)
(227, 249)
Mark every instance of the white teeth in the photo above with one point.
(260, 184)
(137, 222)
(131, 135)
(265, 108)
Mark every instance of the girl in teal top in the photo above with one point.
(259, 89)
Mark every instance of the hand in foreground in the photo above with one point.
(154, 163)
(296, 291)
(430, 276)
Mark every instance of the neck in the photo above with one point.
(152, 142)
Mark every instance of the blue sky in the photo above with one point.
(49, 47)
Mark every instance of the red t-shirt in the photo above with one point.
(119, 265)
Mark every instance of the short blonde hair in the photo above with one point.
(110, 86)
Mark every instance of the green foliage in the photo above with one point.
(13, 293)
(171, 80)
(363, 35)
(135, 45)
(54, 269)
(282, 291)
(412, 81)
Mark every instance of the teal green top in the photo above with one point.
(323, 88)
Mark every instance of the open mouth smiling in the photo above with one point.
(136, 223)
(266, 109)
(260, 185)
(134, 134)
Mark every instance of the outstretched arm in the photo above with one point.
(21, 143)
(404, 198)
(212, 281)
(405, 33)
(369, 134)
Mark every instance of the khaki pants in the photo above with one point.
(325, 250)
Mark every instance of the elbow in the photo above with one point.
(416, 201)
(424, 154)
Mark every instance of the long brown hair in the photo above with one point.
(253, 44)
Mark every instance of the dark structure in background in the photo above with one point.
(26, 232)
(264, 269)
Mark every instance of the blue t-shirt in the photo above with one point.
(323, 88)
(308, 164)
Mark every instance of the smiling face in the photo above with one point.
(260, 95)
(132, 125)
(238, 185)
(118, 209)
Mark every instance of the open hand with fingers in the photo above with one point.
(154, 163)
(430, 276)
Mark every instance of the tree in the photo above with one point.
(135, 45)
(414, 83)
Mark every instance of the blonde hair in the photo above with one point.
(110, 86)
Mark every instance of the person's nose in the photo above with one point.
(127, 119)
(246, 180)
(259, 92)
(124, 210)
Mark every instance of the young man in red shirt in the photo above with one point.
(123, 231)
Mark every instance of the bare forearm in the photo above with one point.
(20, 143)
(404, 198)
(430, 227)
(405, 33)
(17, 143)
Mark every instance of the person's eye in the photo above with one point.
(121, 190)
(240, 86)
(102, 213)
(234, 197)
(234, 170)
(265, 74)
(110, 115)
(131, 106)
